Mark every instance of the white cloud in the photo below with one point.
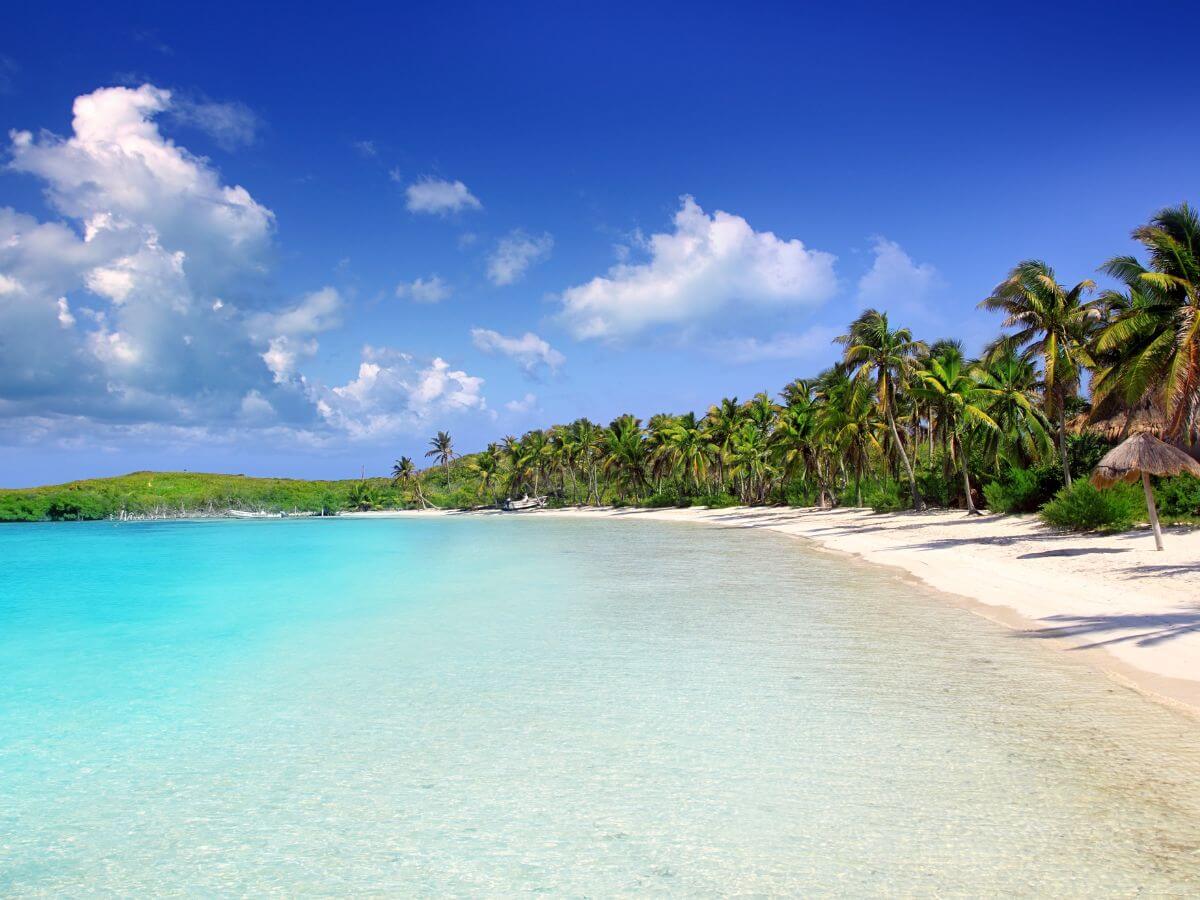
(528, 351)
(65, 319)
(435, 195)
(806, 345)
(393, 393)
(157, 240)
(707, 264)
(526, 404)
(895, 280)
(424, 290)
(366, 148)
(230, 124)
(316, 312)
(515, 253)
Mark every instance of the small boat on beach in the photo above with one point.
(526, 502)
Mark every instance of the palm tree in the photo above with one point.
(690, 448)
(1154, 338)
(849, 419)
(1024, 432)
(487, 466)
(625, 454)
(442, 448)
(874, 348)
(404, 473)
(1054, 323)
(959, 403)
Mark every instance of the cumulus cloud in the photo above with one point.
(116, 314)
(435, 195)
(805, 345)
(515, 253)
(706, 264)
(895, 279)
(229, 123)
(393, 392)
(424, 290)
(526, 404)
(528, 351)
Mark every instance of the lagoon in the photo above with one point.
(502, 705)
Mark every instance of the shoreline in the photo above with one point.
(1110, 601)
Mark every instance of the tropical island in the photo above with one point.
(899, 423)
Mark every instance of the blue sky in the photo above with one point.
(240, 240)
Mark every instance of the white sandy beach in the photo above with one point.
(1112, 601)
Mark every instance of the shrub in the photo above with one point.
(885, 495)
(1082, 507)
(1023, 490)
(1178, 497)
(799, 493)
(937, 488)
(666, 498)
(716, 501)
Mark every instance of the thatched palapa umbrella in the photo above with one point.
(1144, 455)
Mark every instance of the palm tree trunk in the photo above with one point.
(962, 456)
(918, 505)
(1062, 442)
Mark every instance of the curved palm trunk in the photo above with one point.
(962, 456)
(918, 505)
(1062, 442)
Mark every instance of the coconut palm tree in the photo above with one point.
(486, 466)
(874, 349)
(1023, 436)
(850, 420)
(404, 473)
(1154, 339)
(441, 447)
(959, 404)
(1053, 322)
(690, 448)
(625, 454)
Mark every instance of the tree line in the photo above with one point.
(897, 414)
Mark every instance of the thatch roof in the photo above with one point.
(1142, 453)
(1145, 420)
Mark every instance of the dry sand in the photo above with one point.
(1111, 600)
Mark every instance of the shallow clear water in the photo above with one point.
(495, 706)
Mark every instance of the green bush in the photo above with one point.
(1082, 507)
(885, 495)
(716, 501)
(799, 493)
(937, 488)
(1178, 497)
(1023, 490)
(664, 498)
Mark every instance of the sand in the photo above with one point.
(1112, 601)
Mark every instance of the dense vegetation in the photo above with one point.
(897, 423)
(900, 422)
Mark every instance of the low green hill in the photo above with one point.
(178, 494)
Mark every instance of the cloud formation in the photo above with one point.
(439, 197)
(424, 290)
(532, 353)
(705, 265)
(894, 279)
(515, 253)
(393, 393)
(148, 307)
(230, 124)
(809, 344)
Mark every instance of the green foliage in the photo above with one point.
(1083, 507)
(1179, 497)
(180, 494)
(1084, 451)
(885, 495)
(1023, 490)
(716, 500)
(938, 487)
(799, 493)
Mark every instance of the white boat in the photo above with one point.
(526, 502)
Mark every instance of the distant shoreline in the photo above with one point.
(1110, 601)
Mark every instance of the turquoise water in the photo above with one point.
(507, 705)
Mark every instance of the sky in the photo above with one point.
(242, 240)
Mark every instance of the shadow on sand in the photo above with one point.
(1146, 630)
